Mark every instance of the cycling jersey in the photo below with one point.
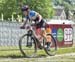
(34, 16)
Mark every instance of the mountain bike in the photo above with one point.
(29, 44)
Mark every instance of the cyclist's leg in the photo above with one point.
(44, 34)
(39, 34)
(48, 37)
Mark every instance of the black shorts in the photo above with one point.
(41, 24)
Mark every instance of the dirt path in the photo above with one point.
(69, 57)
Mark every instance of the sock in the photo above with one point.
(48, 44)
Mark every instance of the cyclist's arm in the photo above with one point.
(25, 22)
(25, 19)
(40, 17)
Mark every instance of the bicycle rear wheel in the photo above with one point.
(53, 46)
(27, 46)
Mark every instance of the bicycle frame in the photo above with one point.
(37, 34)
(30, 33)
(36, 43)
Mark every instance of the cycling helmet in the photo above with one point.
(25, 8)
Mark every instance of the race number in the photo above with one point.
(68, 34)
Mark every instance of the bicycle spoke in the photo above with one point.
(27, 46)
(51, 50)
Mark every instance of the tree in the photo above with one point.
(44, 7)
(67, 5)
(8, 7)
(2, 2)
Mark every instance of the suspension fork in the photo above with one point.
(29, 33)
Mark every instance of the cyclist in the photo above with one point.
(36, 17)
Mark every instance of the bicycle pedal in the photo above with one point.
(45, 46)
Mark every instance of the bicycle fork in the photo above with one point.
(29, 43)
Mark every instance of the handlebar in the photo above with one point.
(30, 27)
(22, 27)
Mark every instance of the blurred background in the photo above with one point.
(57, 12)
(52, 9)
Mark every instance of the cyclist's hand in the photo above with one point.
(22, 27)
(33, 24)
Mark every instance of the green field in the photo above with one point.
(16, 52)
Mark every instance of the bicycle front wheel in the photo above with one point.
(53, 46)
(27, 46)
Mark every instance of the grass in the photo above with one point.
(16, 53)
(12, 54)
(66, 50)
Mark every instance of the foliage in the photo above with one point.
(9, 7)
(44, 7)
(67, 5)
